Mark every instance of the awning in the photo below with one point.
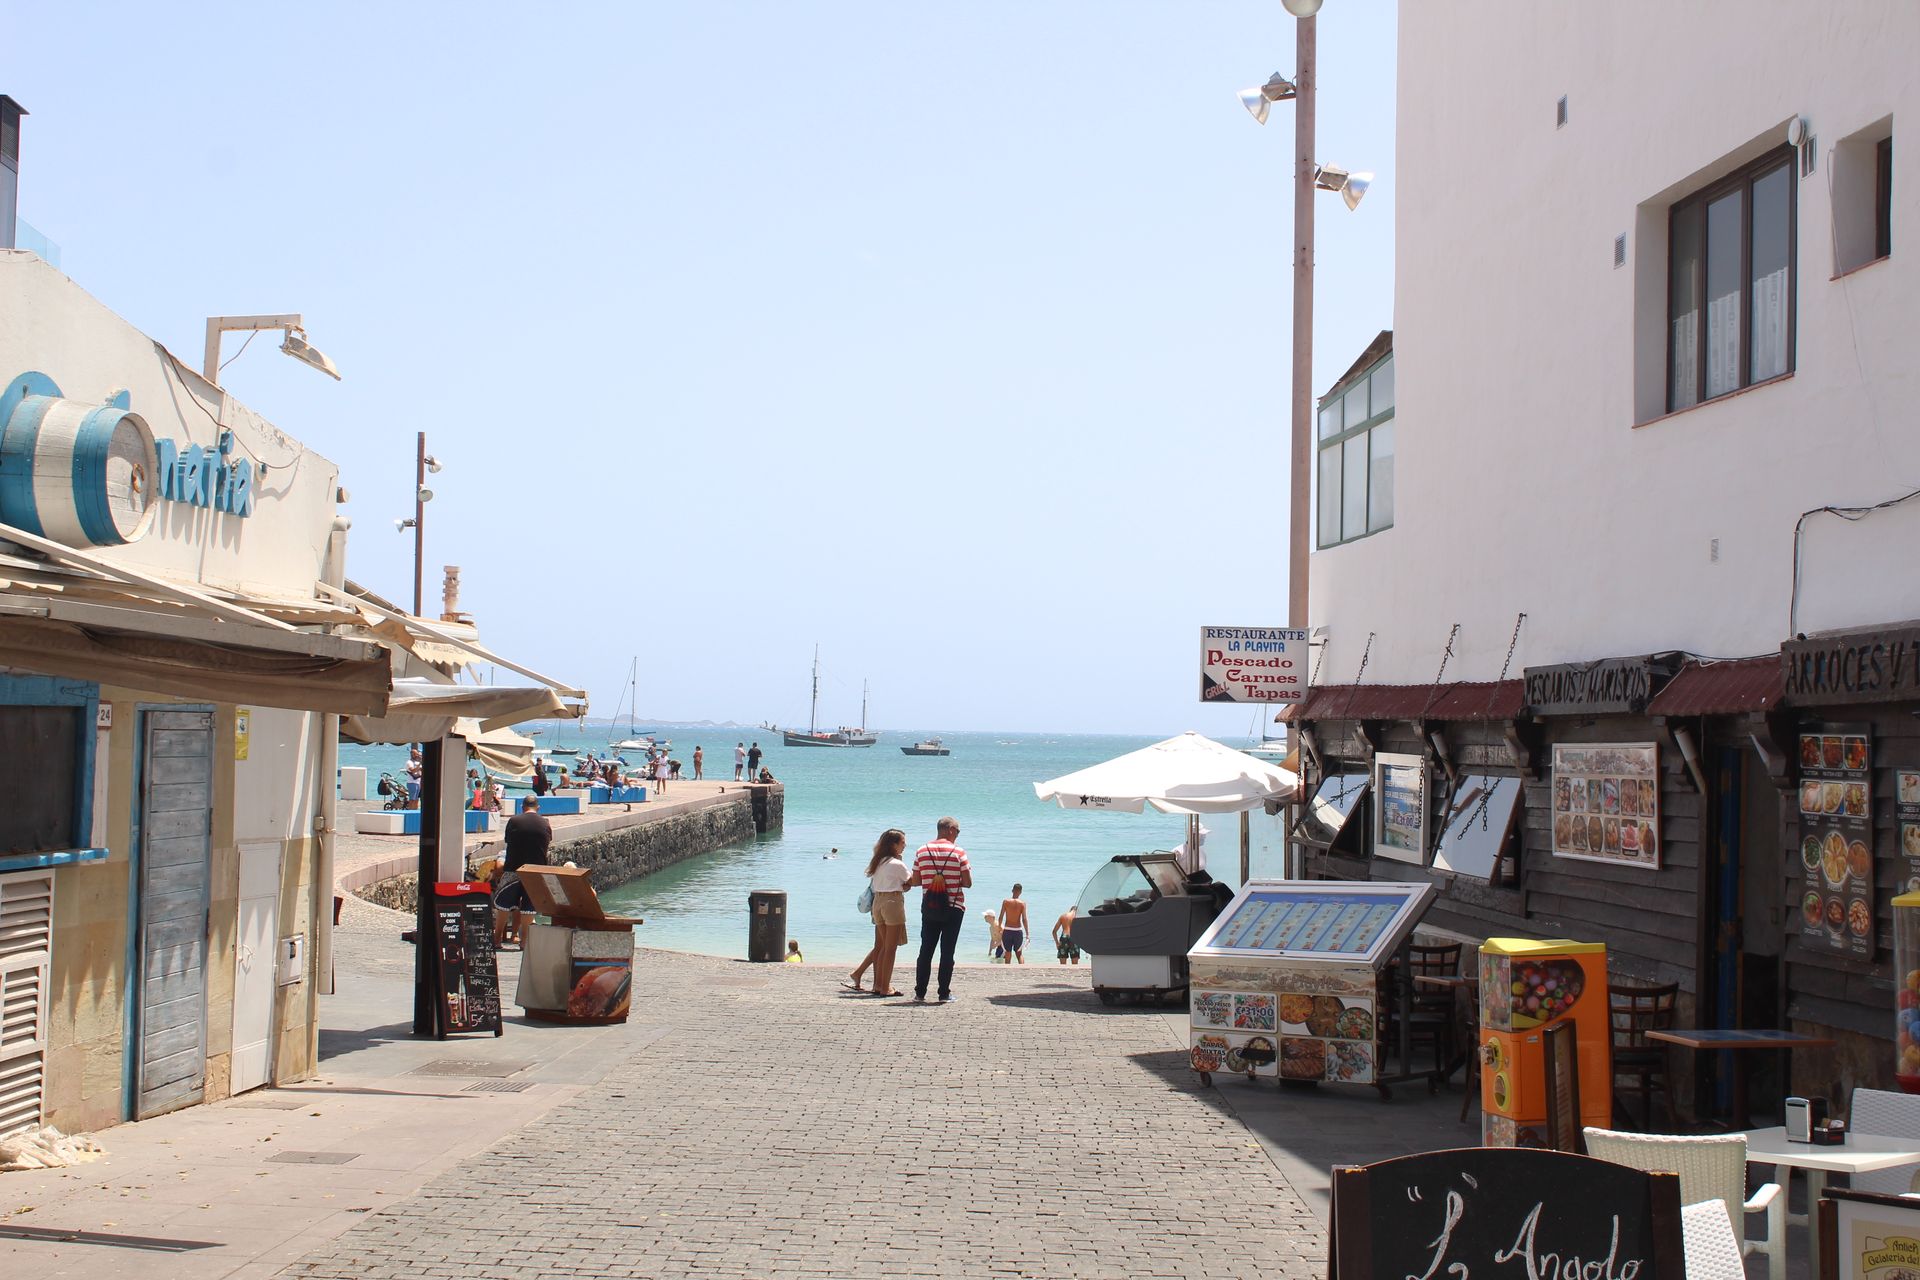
(186, 654)
(421, 710)
(502, 751)
(1461, 700)
(1732, 687)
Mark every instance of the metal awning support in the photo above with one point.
(447, 637)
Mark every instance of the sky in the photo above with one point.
(952, 339)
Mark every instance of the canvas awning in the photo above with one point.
(182, 652)
(1188, 774)
(421, 710)
(501, 750)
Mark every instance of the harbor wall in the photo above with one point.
(617, 848)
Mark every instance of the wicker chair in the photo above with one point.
(1712, 1252)
(1634, 1011)
(1890, 1115)
(1710, 1168)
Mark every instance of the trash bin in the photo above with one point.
(767, 926)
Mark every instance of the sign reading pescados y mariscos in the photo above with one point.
(1253, 664)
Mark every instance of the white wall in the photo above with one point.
(50, 324)
(1523, 482)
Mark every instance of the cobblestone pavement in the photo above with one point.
(767, 1124)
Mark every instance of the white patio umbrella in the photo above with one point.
(1188, 774)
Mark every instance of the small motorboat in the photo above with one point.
(562, 751)
(931, 747)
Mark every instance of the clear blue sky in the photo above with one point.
(954, 339)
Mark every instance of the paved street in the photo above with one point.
(767, 1125)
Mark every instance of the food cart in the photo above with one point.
(1285, 982)
(1527, 986)
(1137, 917)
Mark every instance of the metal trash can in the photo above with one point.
(767, 926)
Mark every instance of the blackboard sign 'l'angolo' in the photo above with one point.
(1504, 1213)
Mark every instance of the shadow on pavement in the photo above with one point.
(1076, 999)
(334, 1041)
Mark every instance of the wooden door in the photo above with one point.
(176, 845)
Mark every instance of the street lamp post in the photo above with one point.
(423, 463)
(1299, 522)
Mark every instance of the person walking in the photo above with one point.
(1013, 928)
(739, 760)
(1063, 944)
(887, 877)
(943, 875)
(699, 763)
(753, 759)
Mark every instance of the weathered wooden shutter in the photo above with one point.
(26, 955)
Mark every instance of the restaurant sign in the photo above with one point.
(1861, 666)
(1253, 664)
(1618, 686)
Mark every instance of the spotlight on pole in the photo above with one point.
(1352, 187)
(1257, 101)
(1301, 8)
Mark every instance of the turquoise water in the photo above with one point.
(846, 797)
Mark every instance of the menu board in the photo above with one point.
(1906, 808)
(1836, 839)
(469, 981)
(1606, 803)
(1346, 921)
(1400, 787)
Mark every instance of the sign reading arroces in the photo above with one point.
(1253, 664)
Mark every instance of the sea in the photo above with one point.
(838, 801)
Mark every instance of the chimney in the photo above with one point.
(10, 113)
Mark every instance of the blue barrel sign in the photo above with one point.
(79, 474)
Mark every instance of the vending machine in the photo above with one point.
(1906, 1006)
(1525, 987)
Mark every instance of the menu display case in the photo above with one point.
(1284, 983)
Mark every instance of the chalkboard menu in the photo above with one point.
(1504, 1211)
(1836, 839)
(468, 980)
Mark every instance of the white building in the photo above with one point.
(1653, 318)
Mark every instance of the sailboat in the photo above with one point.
(841, 737)
(630, 698)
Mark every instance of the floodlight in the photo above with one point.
(306, 353)
(1277, 89)
(1301, 8)
(1352, 187)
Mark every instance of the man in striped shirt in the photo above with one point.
(942, 874)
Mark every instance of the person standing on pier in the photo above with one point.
(753, 760)
(699, 763)
(943, 875)
(739, 760)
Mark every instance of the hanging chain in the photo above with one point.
(1446, 656)
(1486, 796)
(1364, 655)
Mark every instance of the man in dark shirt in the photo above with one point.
(528, 838)
(753, 761)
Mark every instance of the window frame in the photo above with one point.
(1695, 204)
(1337, 442)
(82, 698)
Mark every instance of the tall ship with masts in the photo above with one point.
(844, 736)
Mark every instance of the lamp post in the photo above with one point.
(423, 463)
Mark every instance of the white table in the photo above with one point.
(1861, 1153)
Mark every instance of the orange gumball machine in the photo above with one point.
(1525, 987)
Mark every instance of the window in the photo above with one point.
(47, 738)
(1883, 198)
(1356, 457)
(1730, 284)
(1479, 820)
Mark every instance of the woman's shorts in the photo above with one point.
(890, 917)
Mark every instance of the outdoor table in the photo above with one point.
(1729, 1039)
(1861, 1153)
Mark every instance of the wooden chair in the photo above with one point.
(1435, 1013)
(1634, 1011)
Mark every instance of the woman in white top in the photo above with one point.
(887, 875)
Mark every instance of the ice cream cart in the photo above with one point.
(1285, 982)
(1527, 986)
(1137, 917)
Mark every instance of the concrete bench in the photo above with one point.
(554, 806)
(388, 822)
(618, 795)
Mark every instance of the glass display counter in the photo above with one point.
(1136, 918)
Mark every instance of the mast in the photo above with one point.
(813, 712)
(863, 706)
(633, 707)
